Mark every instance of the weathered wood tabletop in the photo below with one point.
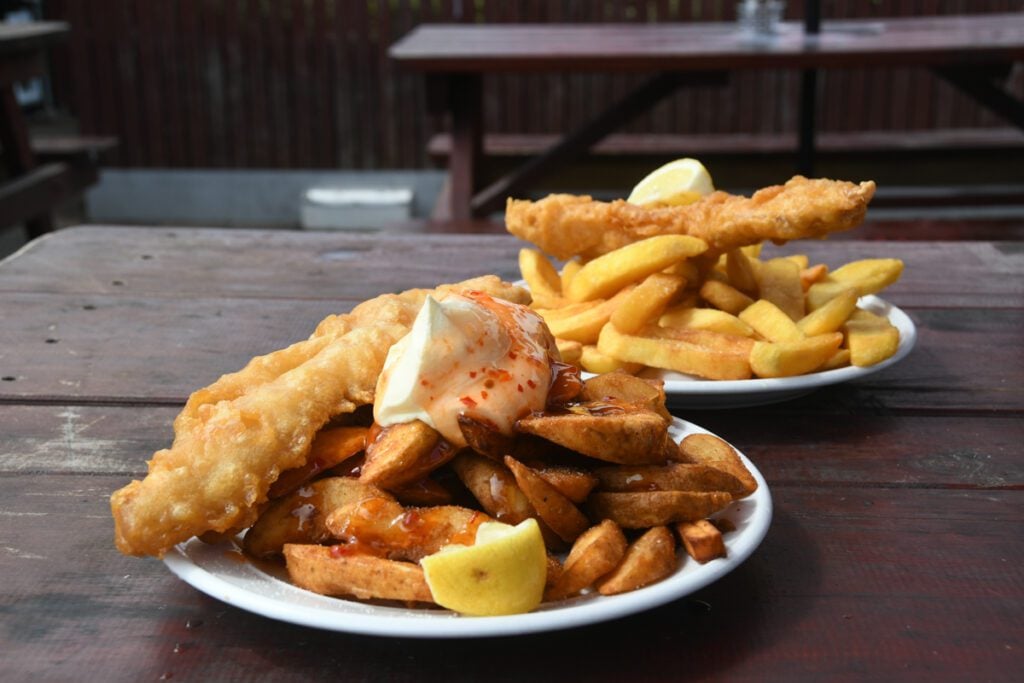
(896, 551)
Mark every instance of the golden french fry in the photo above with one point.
(548, 301)
(609, 273)
(687, 270)
(801, 260)
(724, 297)
(702, 540)
(301, 517)
(557, 511)
(569, 271)
(707, 449)
(710, 319)
(778, 281)
(820, 293)
(330, 571)
(812, 274)
(786, 359)
(648, 559)
(830, 316)
(675, 354)
(771, 322)
(871, 338)
(595, 553)
(647, 301)
(599, 363)
(742, 271)
(839, 359)
(727, 343)
(584, 326)
(540, 275)
(644, 509)
(870, 276)
(569, 350)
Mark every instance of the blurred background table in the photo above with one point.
(896, 551)
(971, 52)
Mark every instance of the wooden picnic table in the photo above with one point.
(969, 51)
(895, 552)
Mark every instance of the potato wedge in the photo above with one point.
(625, 388)
(674, 354)
(404, 533)
(484, 438)
(643, 509)
(329, 447)
(609, 273)
(708, 449)
(301, 516)
(403, 453)
(596, 552)
(557, 511)
(648, 559)
(622, 434)
(871, 338)
(329, 571)
(787, 359)
(574, 484)
(675, 476)
(702, 540)
(646, 302)
(493, 486)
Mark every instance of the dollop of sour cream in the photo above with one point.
(467, 354)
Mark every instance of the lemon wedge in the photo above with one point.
(678, 182)
(502, 573)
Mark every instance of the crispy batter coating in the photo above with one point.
(234, 437)
(569, 225)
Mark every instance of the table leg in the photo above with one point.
(466, 105)
(808, 114)
(18, 157)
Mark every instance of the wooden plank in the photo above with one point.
(974, 350)
(839, 575)
(301, 265)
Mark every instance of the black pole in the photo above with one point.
(808, 95)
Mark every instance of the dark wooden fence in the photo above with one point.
(307, 83)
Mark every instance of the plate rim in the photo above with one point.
(444, 624)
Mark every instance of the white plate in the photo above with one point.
(220, 572)
(686, 391)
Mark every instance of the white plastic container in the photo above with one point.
(335, 208)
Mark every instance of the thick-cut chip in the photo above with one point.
(869, 276)
(831, 316)
(675, 354)
(619, 386)
(493, 486)
(724, 296)
(569, 350)
(403, 453)
(301, 516)
(569, 271)
(596, 552)
(622, 434)
(648, 559)
(676, 476)
(557, 511)
(541, 277)
(643, 509)
(708, 449)
(728, 343)
(779, 282)
(422, 492)
(402, 533)
(646, 302)
(330, 571)
(771, 322)
(609, 273)
(710, 319)
(330, 447)
(787, 359)
(583, 326)
(742, 271)
(871, 338)
(815, 273)
(592, 360)
(702, 540)
(839, 359)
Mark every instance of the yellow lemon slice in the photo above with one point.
(502, 573)
(678, 182)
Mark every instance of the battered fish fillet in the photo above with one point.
(569, 225)
(234, 437)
